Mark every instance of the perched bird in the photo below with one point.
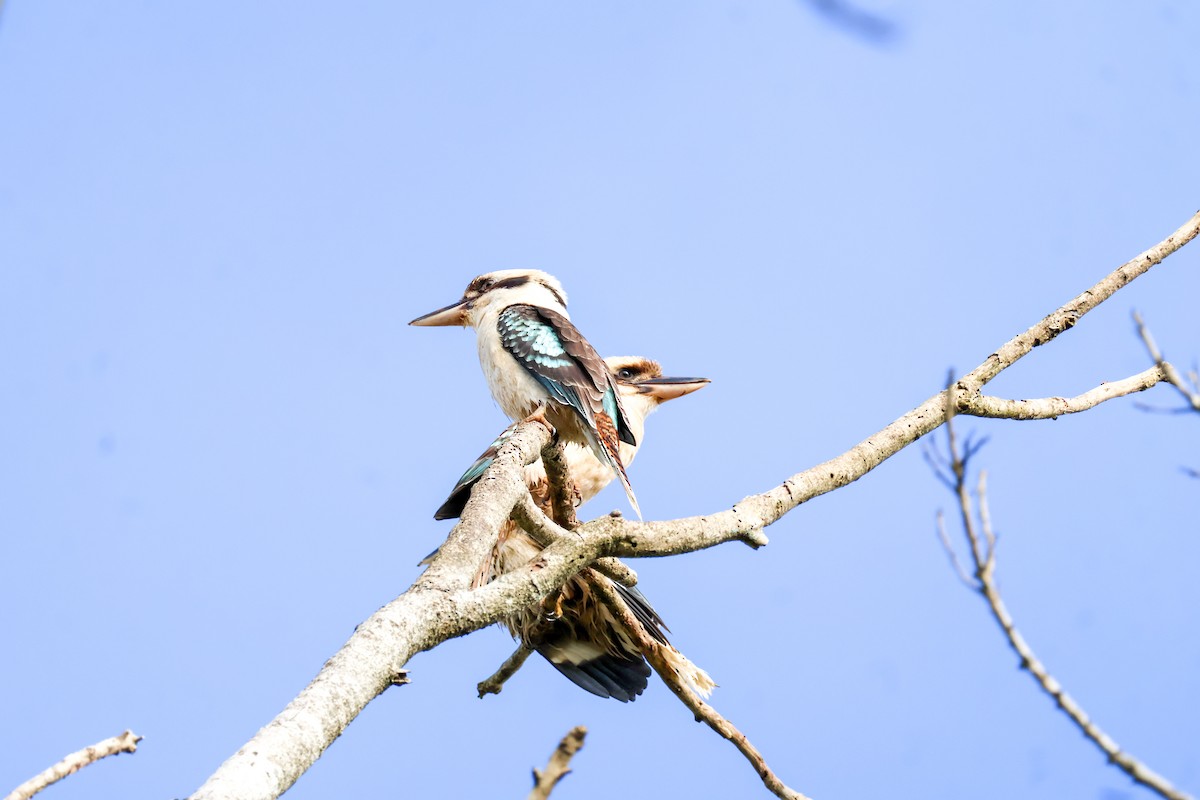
(572, 629)
(537, 364)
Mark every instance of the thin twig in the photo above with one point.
(937, 464)
(495, 682)
(703, 712)
(125, 743)
(1191, 393)
(558, 767)
(985, 519)
(965, 576)
(982, 541)
(958, 468)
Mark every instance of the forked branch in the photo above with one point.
(1188, 388)
(981, 545)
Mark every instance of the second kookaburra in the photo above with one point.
(580, 636)
(537, 363)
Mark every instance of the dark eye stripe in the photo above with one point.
(562, 301)
(521, 280)
(510, 283)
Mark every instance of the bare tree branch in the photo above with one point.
(546, 532)
(1053, 407)
(127, 742)
(703, 712)
(558, 767)
(440, 605)
(982, 540)
(437, 607)
(750, 515)
(495, 682)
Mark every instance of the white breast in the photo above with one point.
(516, 391)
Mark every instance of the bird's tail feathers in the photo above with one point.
(610, 446)
(696, 679)
(620, 470)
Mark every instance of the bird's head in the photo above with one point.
(643, 387)
(500, 289)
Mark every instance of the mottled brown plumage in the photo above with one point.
(571, 628)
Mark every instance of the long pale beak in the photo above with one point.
(663, 389)
(455, 314)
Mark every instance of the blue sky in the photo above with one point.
(222, 446)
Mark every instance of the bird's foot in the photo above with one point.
(539, 417)
(552, 607)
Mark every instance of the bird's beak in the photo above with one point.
(669, 388)
(455, 314)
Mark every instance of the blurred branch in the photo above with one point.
(558, 768)
(127, 742)
(981, 543)
(441, 605)
(1189, 389)
(668, 668)
(959, 569)
(872, 27)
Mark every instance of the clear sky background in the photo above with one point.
(221, 446)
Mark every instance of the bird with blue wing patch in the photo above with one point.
(538, 364)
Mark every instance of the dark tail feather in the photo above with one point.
(608, 676)
(644, 612)
(455, 503)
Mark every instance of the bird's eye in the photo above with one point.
(480, 286)
(625, 373)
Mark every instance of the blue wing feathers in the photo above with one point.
(457, 501)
